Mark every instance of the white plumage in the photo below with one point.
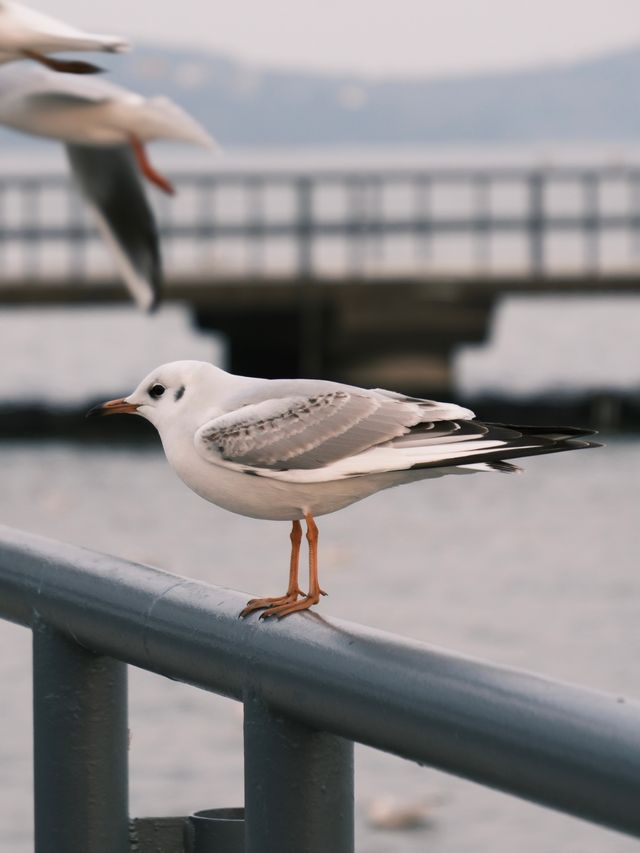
(292, 449)
(24, 32)
(90, 110)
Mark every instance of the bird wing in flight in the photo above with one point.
(108, 179)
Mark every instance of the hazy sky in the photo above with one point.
(374, 36)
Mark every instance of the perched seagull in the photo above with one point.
(27, 34)
(292, 449)
(105, 128)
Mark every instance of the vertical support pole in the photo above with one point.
(375, 230)
(30, 223)
(206, 222)
(536, 223)
(591, 190)
(80, 748)
(79, 237)
(254, 190)
(304, 192)
(422, 216)
(634, 216)
(482, 204)
(356, 226)
(298, 785)
(4, 188)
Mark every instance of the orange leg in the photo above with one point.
(313, 596)
(147, 169)
(293, 590)
(68, 66)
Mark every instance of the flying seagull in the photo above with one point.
(104, 128)
(294, 449)
(27, 34)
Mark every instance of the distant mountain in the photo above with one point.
(245, 105)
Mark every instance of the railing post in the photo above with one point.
(3, 225)
(207, 220)
(80, 747)
(356, 225)
(422, 215)
(536, 223)
(298, 785)
(482, 205)
(304, 192)
(31, 221)
(77, 250)
(591, 190)
(254, 189)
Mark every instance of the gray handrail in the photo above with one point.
(573, 749)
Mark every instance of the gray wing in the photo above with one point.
(108, 179)
(310, 431)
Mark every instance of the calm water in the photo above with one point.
(539, 572)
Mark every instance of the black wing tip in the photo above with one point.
(575, 444)
(498, 455)
(502, 467)
(545, 431)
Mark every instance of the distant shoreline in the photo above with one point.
(257, 105)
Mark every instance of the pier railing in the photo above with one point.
(310, 687)
(524, 221)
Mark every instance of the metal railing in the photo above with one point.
(527, 221)
(310, 687)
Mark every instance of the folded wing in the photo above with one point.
(311, 431)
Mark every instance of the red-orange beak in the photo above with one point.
(112, 407)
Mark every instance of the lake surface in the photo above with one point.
(538, 572)
(540, 346)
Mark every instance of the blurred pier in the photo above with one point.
(369, 277)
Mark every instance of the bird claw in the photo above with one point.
(283, 610)
(269, 603)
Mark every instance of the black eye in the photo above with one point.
(156, 391)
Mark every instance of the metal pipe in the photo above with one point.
(298, 785)
(574, 749)
(215, 831)
(80, 747)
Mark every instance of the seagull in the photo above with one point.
(295, 449)
(28, 34)
(105, 128)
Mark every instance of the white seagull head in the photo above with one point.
(181, 392)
